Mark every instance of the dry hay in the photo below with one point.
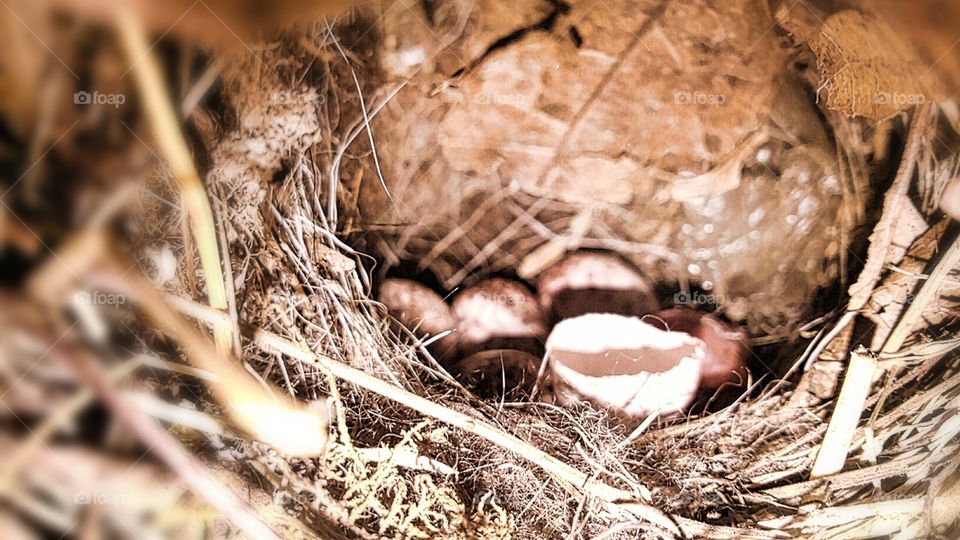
(412, 454)
(743, 467)
(739, 467)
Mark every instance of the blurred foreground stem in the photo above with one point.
(169, 138)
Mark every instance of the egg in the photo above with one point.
(624, 365)
(726, 350)
(498, 314)
(497, 372)
(419, 309)
(589, 282)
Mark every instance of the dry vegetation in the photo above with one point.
(188, 344)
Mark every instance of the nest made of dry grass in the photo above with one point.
(737, 473)
(741, 472)
(414, 455)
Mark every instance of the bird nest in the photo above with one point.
(241, 312)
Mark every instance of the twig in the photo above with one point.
(842, 325)
(550, 253)
(166, 131)
(843, 424)
(275, 420)
(201, 87)
(174, 414)
(233, 319)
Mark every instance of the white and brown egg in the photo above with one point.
(499, 314)
(594, 283)
(614, 349)
(421, 310)
(636, 367)
(496, 329)
(601, 350)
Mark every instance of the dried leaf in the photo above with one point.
(895, 292)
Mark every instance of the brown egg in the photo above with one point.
(624, 365)
(497, 372)
(498, 314)
(726, 349)
(594, 283)
(420, 309)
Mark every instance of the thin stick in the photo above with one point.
(846, 416)
(168, 136)
(842, 325)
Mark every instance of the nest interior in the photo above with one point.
(468, 139)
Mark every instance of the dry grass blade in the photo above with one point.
(269, 416)
(846, 416)
(166, 130)
(893, 203)
(948, 263)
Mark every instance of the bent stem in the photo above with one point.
(166, 131)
